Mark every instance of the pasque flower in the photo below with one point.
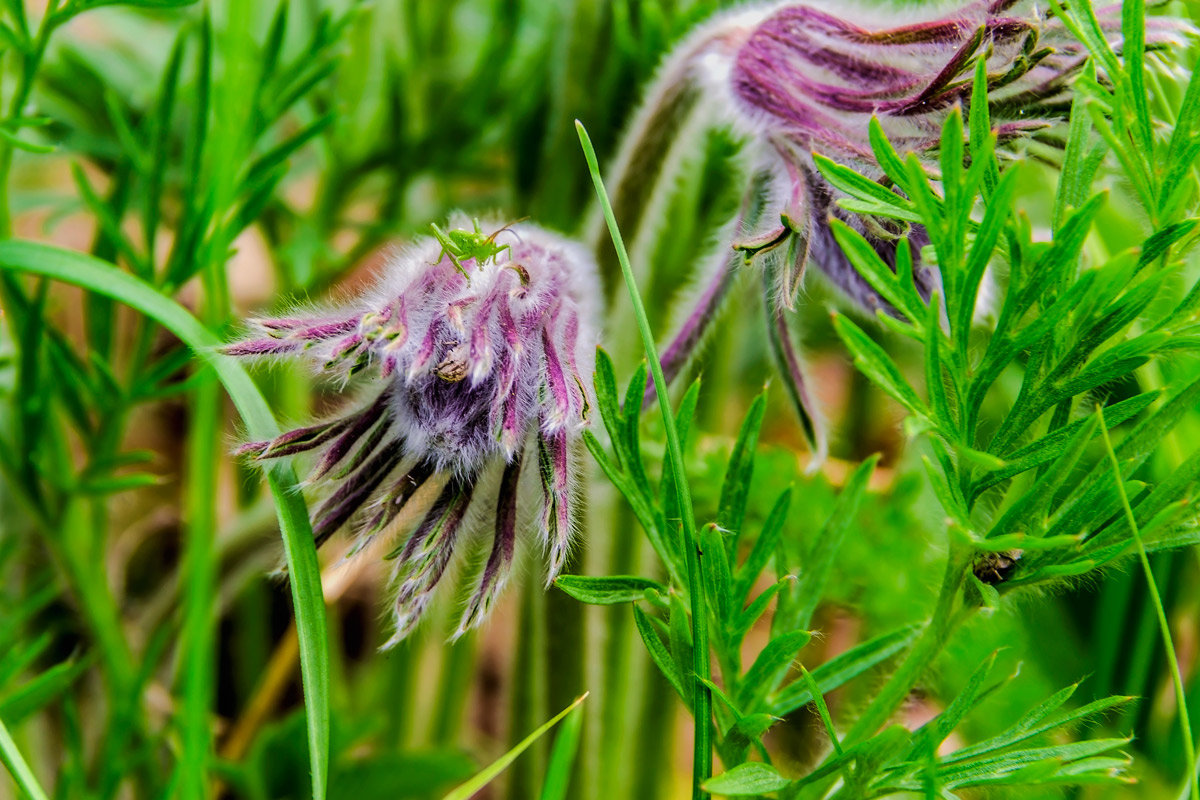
(481, 347)
(798, 78)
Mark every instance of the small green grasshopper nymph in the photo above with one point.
(460, 245)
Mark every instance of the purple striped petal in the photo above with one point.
(788, 367)
(499, 564)
(425, 556)
(354, 491)
(297, 441)
(555, 468)
(392, 503)
(555, 417)
(263, 347)
(378, 413)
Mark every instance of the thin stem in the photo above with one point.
(529, 692)
(1176, 676)
(197, 661)
(455, 684)
(702, 703)
(30, 62)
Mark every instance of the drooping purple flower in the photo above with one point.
(801, 78)
(482, 366)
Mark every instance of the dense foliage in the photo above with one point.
(985, 585)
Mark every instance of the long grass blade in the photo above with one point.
(301, 554)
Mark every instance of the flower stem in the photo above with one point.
(702, 703)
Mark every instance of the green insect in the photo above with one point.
(460, 245)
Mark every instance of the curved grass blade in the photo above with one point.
(485, 776)
(562, 758)
(301, 554)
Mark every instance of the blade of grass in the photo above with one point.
(18, 768)
(1156, 599)
(301, 554)
(485, 776)
(562, 757)
(702, 704)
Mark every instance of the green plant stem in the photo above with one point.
(30, 62)
(926, 648)
(85, 574)
(702, 702)
(528, 701)
(197, 657)
(614, 711)
(1176, 676)
(455, 685)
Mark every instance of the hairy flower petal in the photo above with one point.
(476, 362)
